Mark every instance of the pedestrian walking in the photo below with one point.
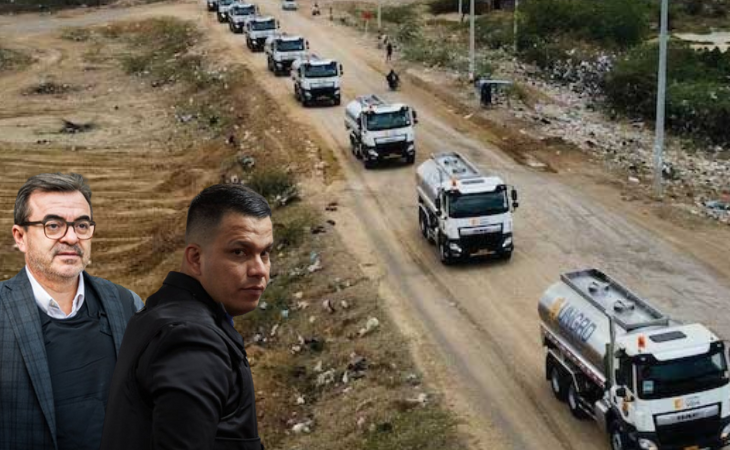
(388, 51)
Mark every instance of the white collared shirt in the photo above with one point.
(48, 305)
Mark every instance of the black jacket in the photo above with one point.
(182, 380)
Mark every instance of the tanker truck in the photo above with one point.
(380, 131)
(462, 210)
(650, 382)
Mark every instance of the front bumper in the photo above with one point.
(391, 150)
(481, 244)
(700, 434)
(319, 93)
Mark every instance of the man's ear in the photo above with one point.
(19, 234)
(192, 259)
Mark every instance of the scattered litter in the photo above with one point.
(73, 128)
(327, 306)
(332, 206)
(371, 325)
(263, 306)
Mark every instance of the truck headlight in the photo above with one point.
(646, 444)
(454, 247)
(411, 147)
(507, 242)
(725, 432)
(337, 90)
(372, 153)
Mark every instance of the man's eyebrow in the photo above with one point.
(248, 244)
(54, 216)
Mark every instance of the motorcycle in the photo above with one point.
(393, 83)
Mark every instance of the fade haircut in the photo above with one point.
(48, 182)
(210, 206)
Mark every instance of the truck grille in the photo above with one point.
(487, 241)
(391, 148)
(701, 432)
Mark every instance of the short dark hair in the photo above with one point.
(48, 182)
(210, 206)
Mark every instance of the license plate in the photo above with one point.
(692, 447)
(483, 252)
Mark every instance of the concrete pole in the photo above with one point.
(472, 57)
(380, 24)
(514, 29)
(660, 99)
(461, 11)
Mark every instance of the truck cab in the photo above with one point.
(258, 30)
(239, 14)
(289, 5)
(223, 7)
(212, 5)
(282, 50)
(380, 131)
(464, 211)
(316, 79)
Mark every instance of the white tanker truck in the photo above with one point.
(380, 131)
(462, 210)
(649, 381)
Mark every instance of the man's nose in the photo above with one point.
(258, 267)
(70, 237)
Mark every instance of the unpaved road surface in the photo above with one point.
(474, 327)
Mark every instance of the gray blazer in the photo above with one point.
(27, 413)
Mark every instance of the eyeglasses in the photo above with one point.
(56, 228)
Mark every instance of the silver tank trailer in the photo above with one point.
(579, 308)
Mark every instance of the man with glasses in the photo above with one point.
(60, 328)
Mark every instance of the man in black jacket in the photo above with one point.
(182, 380)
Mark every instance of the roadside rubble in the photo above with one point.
(700, 177)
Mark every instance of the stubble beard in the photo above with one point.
(42, 264)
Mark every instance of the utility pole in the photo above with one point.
(380, 24)
(461, 12)
(514, 29)
(660, 99)
(471, 41)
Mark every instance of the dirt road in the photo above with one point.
(474, 327)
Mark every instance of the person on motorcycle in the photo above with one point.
(393, 79)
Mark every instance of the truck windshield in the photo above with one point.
(265, 25)
(242, 10)
(682, 376)
(475, 205)
(388, 121)
(290, 46)
(321, 71)
(225, 2)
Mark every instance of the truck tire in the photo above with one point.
(422, 223)
(573, 399)
(617, 438)
(410, 159)
(558, 379)
(369, 163)
(444, 255)
(506, 256)
(337, 101)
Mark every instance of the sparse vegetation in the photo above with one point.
(76, 34)
(271, 182)
(698, 96)
(11, 59)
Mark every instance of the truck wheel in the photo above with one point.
(410, 159)
(422, 223)
(574, 402)
(558, 381)
(506, 256)
(369, 163)
(618, 440)
(337, 101)
(444, 255)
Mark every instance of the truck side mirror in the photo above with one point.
(278, 25)
(342, 71)
(621, 392)
(415, 116)
(306, 44)
(437, 204)
(515, 203)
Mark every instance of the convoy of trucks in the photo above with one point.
(316, 79)
(462, 210)
(380, 131)
(282, 50)
(652, 383)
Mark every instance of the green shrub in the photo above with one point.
(271, 182)
(494, 31)
(697, 93)
(76, 34)
(13, 59)
(611, 23)
(398, 14)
